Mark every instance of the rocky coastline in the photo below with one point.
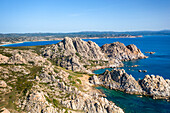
(78, 55)
(154, 86)
(57, 78)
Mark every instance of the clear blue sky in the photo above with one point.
(83, 15)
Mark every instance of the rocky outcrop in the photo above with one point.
(3, 59)
(78, 55)
(156, 86)
(4, 110)
(74, 54)
(121, 52)
(3, 84)
(88, 104)
(36, 103)
(118, 79)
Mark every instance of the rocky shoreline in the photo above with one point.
(154, 86)
(55, 78)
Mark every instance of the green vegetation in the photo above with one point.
(31, 62)
(5, 53)
(48, 99)
(70, 77)
(78, 54)
(78, 80)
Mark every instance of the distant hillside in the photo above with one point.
(86, 34)
(15, 37)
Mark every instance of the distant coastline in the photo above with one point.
(54, 39)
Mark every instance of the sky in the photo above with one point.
(33, 16)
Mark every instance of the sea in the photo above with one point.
(156, 64)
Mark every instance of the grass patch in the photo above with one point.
(70, 77)
(78, 80)
(49, 100)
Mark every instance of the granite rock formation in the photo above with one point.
(33, 84)
(118, 79)
(121, 52)
(78, 55)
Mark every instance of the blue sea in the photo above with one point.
(157, 64)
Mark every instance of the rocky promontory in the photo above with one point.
(78, 55)
(121, 52)
(118, 79)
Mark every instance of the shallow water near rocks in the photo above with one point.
(133, 104)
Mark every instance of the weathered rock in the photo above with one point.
(118, 79)
(3, 84)
(36, 103)
(3, 59)
(4, 110)
(46, 88)
(121, 52)
(76, 54)
(157, 87)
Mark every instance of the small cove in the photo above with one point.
(134, 104)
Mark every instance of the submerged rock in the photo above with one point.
(150, 52)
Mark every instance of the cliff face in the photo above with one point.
(157, 87)
(78, 55)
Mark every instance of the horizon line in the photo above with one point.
(86, 31)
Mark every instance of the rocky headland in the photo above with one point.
(78, 55)
(117, 79)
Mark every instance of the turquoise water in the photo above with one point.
(133, 104)
(157, 64)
